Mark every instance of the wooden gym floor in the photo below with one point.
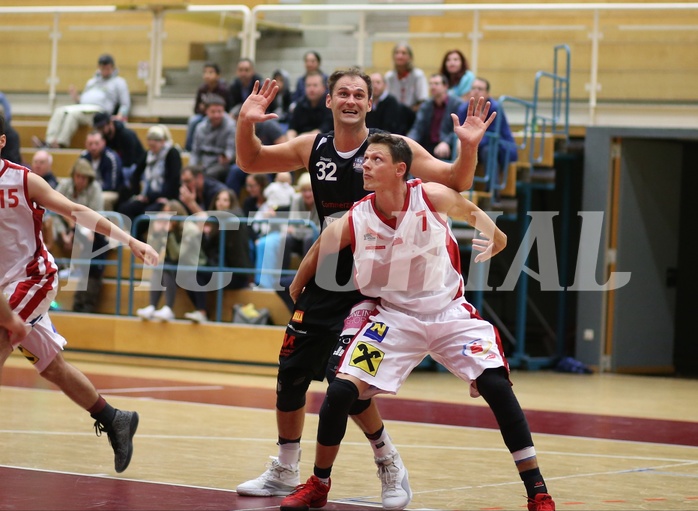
(605, 442)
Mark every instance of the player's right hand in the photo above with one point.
(255, 106)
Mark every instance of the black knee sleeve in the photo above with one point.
(495, 388)
(359, 406)
(334, 412)
(291, 387)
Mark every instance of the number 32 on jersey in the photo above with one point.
(326, 171)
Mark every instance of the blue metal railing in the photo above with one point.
(118, 219)
(219, 269)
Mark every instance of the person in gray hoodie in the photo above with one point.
(105, 92)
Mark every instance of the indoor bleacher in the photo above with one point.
(557, 74)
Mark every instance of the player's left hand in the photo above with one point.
(144, 252)
(17, 329)
(485, 246)
(476, 122)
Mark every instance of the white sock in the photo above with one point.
(382, 446)
(290, 454)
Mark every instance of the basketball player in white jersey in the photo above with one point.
(334, 162)
(29, 281)
(407, 258)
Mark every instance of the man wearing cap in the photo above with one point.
(121, 139)
(214, 140)
(105, 92)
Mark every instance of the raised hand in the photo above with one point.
(255, 106)
(476, 122)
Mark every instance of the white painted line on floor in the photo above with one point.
(137, 390)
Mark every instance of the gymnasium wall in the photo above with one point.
(643, 56)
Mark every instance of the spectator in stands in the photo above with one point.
(214, 140)
(459, 76)
(507, 151)
(213, 84)
(299, 238)
(311, 114)
(11, 151)
(156, 179)
(312, 61)
(406, 82)
(177, 239)
(433, 127)
(237, 242)
(107, 166)
(197, 190)
(6, 106)
(279, 193)
(122, 140)
(42, 163)
(387, 113)
(269, 242)
(281, 105)
(105, 92)
(83, 188)
(266, 237)
(269, 132)
(244, 81)
(254, 186)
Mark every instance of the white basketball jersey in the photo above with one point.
(27, 269)
(411, 261)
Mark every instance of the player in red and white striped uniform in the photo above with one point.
(29, 280)
(406, 257)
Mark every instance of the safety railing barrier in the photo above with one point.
(82, 265)
(227, 222)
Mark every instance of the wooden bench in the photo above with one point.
(261, 298)
(217, 345)
(27, 129)
(63, 159)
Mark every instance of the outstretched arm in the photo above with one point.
(42, 194)
(459, 174)
(334, 237)
(252, 156)
(458, 207)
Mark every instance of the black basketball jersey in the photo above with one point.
(337, 183)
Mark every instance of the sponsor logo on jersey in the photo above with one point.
(288, 345)
(356, 320)
(320, 143)
(28, 354)
(478, 348)
(369, 236)
(298, 316)
(366, 357)
(375, 247)
(377, 331)
(359, 164)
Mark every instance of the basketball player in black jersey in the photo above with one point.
(334, 161)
